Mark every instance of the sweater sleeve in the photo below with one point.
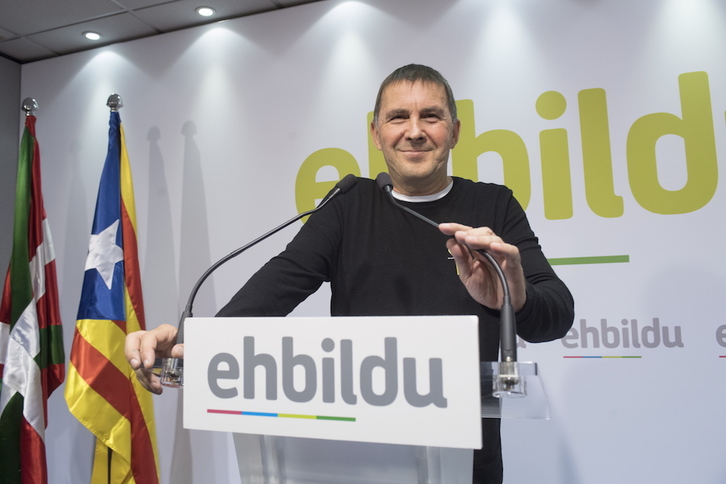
(290, 277)
(549, 311)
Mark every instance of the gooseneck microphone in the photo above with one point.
(507, 321)
(341, 187)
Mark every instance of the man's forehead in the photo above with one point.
(401, 91)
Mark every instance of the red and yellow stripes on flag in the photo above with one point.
(32, 360)
(102, 391)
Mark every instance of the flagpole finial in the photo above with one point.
(115, 102)
(30, 106)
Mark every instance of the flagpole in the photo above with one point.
(114, 103)
(30, 106)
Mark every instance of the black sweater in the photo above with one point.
(382, 261)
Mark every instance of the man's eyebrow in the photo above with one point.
(434, 110)
(397, 112)
(393, 113)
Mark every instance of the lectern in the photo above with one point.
(344, 400)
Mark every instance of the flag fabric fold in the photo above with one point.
(32, 360)
(102, 391)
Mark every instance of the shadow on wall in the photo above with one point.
(194, 259)
(77, 231)
(194, 251)
(159, 273)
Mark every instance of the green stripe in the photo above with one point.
(341, 419)
(20, 281)
(10, 440)
(51, 347)
(604, 259)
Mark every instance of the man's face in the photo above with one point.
(415, 132)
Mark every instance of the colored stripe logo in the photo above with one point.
(281, 415)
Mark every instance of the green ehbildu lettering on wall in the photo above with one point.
(508, 144)
(694, 126)
(555, 157)
(308, 189)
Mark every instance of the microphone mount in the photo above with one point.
(170, 370)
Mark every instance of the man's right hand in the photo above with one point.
(143, 347)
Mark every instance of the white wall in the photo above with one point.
(9, 141)
(220, 118)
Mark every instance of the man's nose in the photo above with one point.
(415, 131)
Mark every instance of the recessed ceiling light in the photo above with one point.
(92, 35)
(205, 11)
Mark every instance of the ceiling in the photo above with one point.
(32, 30)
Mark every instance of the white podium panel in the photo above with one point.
(393, 380)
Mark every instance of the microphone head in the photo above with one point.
(384, 181)
(347, 183)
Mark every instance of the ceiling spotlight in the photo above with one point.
(205, 11)
(92, 35)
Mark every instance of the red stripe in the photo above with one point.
(37, 211)
(117, 389)
(131, 266)
(48, 311)
(5, 310)
(32, 456)
(48, 306)
(53, 374)
(7, 301)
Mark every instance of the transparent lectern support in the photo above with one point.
(170, 371)
(265, 459)
(258, 459)
(512, 390)
(441, 465)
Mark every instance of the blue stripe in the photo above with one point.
(259, 414)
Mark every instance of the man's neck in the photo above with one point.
(425, 198)
(417, 189)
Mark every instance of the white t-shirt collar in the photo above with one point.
(424, 198)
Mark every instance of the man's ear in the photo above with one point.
(374, 135)
(455, 134)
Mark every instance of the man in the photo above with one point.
(381, 261)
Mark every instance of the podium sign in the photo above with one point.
(397, 380)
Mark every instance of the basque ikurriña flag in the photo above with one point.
(102, 391)
(32, 361)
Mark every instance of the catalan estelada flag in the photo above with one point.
(32, 361)
(102, 391)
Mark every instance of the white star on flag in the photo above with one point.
(103, 253)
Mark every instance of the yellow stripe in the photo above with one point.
(108, 338)
(132, 321)
(96, 414)
(127, 185)
(120, 469)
